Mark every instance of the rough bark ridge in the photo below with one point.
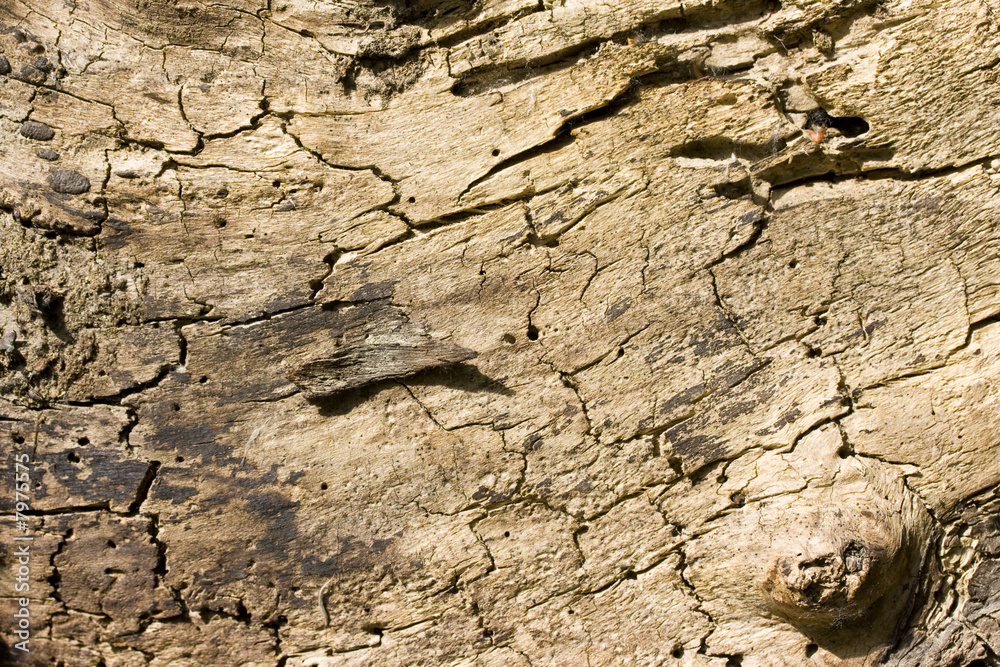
(734, 398)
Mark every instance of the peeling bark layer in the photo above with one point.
(368, 332)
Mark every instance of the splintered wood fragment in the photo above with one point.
(387, 356)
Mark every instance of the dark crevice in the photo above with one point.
(257, 319)
(728, 314)
(486, 77)
(489, 77)
(160, 569)
(468, 213)
(164, 371)
(143, 491)
(893, 174)
(850, 126)
(979, 325)
(254, 124)
(826, 421)
(644, 490)
(104, 506)
(181, 341)
(759, 227)
(656, 431)
(693, 592)
(564, 135)
(901, 377)
(615, 348)
(319, 156)
(55, 579)
(463, 215)
(330, 259)
(242, 615)
(118, 398)
(623, 576)
(722, 148)
(200, 143)
(485, 27)
(562, 138)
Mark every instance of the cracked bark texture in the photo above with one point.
(734, 396)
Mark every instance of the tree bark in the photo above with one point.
(506, 332)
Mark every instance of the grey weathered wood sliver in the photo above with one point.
(386, 351)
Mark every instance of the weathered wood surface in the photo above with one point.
(734, 396)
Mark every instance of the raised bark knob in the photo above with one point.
(831, 566)
(830, 582)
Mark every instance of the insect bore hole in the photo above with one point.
(532, 332)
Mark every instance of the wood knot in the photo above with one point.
(839, 569)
